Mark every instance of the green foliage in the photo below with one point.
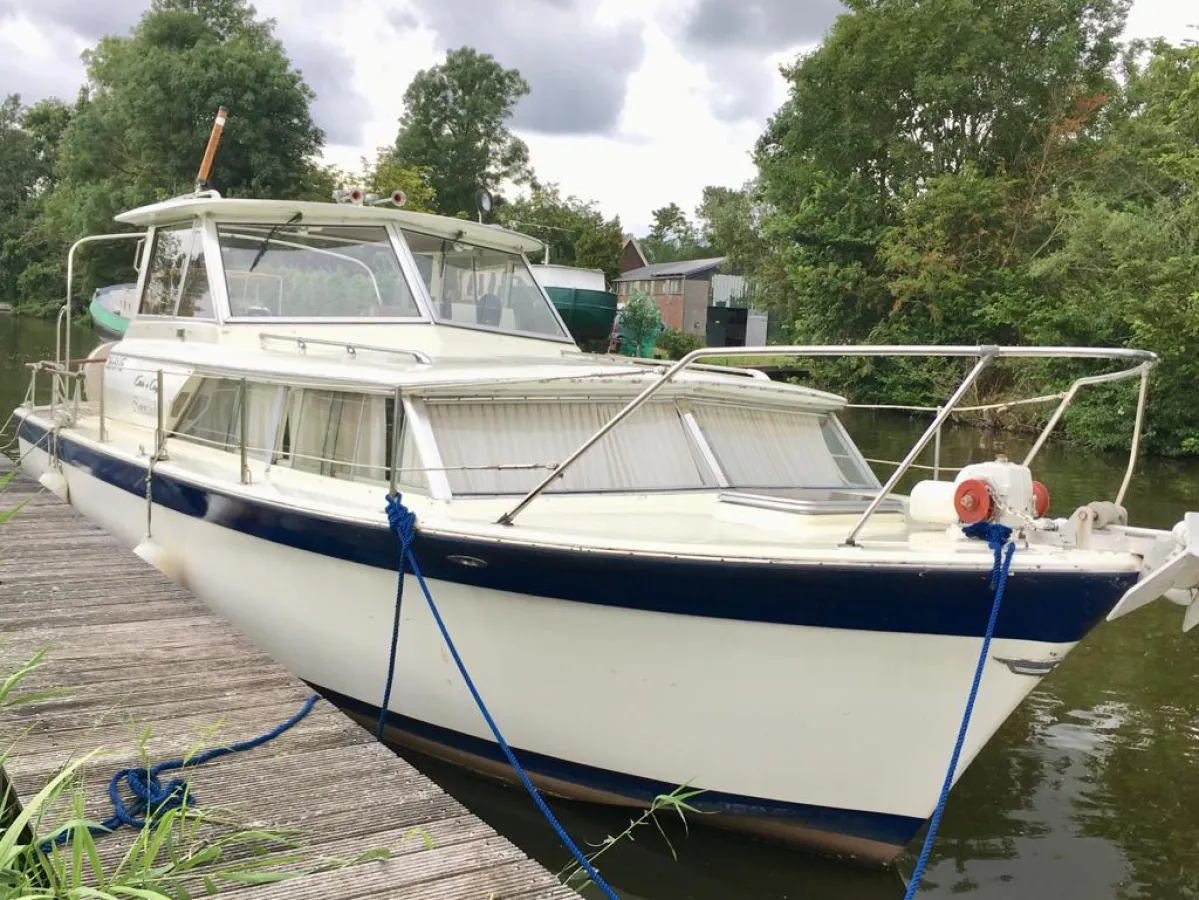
(677, 344)
(958, 171)
(137, 134)
(454, 126)
(574, 876)
(673, 237)
(181, 852)
(381, 176)
(577, 233)
(386, 174)
(639, 322)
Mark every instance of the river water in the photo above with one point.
(1090, 790)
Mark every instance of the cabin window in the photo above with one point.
(332, 433)
(850, 464)
(772, 448)
(177, 282)
(648, 451)
(212, 416)
(479, 286)
(345, 435)
(314, 271)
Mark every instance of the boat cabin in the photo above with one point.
(304, 342)
(240, 265)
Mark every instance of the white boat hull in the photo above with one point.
(835, 738)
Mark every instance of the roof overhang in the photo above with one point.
(272, 211)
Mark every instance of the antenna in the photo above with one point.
(210, 151)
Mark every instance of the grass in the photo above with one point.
(573, 874)
(182, 853)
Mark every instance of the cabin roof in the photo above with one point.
(683, 268)
(271, 211)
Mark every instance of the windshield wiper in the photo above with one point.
(270, 234)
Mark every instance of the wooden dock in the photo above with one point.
(132, 650)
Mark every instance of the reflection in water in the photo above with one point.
(1088, 791)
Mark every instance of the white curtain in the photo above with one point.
(213, 418)
(767, 447)
(648, 451)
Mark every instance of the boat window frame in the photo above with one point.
(269, 455)
(408, 271)
(565, 338)
(217, 296)
(426, 440)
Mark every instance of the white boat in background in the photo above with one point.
(656, 573)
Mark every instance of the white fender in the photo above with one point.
(56, 483)
(158, 557)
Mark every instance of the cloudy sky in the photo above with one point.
(634, 103)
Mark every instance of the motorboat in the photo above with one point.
(658, 573)
(582, 297)
(111, 309)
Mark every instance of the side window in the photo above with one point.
(850, 468)
(344, 435)
(177, 281)
(213, 416)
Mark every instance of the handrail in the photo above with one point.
(1068, 396)
(984, 354)
(665, 363)
(350, 347)
(90, 239)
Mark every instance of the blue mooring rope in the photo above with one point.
(997, 537)
(403, 523)
(152, 797)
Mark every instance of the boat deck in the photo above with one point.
(129, 650)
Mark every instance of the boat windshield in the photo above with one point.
(313, 271)
(482, 287)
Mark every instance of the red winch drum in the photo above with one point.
(1040, 499)
(972, 501)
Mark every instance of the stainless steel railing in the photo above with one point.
(985, 355)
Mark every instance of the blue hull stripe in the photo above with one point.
(1051, 607)
(875, 826)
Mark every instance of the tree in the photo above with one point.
(19, 167)
(916, 167)
(673, 237)
(381, 176)
(454, 125)
(386, 174)
(20, 171)
(139, 129)
(639, 322)
(576, 232)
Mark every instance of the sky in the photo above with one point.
(634, 103)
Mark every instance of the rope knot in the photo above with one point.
(401, 520)
(997, 537)
(151, 796)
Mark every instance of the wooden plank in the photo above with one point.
(147, 671)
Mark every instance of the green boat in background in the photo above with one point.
(112, 308)
(582, 299)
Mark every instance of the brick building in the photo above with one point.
(694, 296)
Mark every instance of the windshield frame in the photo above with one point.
(564, 337)
(407, 268)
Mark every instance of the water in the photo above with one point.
(1089, 790)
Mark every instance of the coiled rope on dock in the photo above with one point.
(152, 798)
(402, 522)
